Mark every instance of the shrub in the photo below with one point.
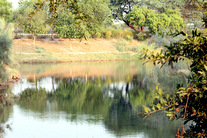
(127, 33)
(165, 39)
(128, 37)
(5, 46)
(116, 33)
(5, 41)
(141, 36)
(122, 45)
(188, 103)
(108, 35)
(97, 35)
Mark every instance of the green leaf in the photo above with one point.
(205, 67)
(158, 106)
(167, 96)
(160, 92)
(153, 108)
(146, 109)
(157, 87)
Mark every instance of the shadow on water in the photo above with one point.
(108, 93)
(6, 109)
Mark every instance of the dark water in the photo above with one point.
(88, 100)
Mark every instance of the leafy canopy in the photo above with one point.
(34, 25)
(5, 9)
(170, 19)
(96, 15)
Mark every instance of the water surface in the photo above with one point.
(100, 99)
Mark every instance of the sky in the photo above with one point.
(14, 3)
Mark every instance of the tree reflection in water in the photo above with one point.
(115, 104)
(6, 109)
(113, 96)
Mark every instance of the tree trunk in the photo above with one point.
(52, 36)
(69, 44)
(142, 29)
(34, 40)
(132, 27)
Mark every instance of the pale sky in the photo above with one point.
(14, 3)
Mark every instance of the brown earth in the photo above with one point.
(64, 45)
(63, 50)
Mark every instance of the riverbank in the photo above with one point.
(63, 50)
(10, 75)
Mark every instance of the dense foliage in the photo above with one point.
(124, 10)
(85, 18)
(188, 8)
(170, 19)
(5, 9)
(5, 46)
(34, 25)
(71, 26)
(189, 103)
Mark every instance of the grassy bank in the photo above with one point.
(52, 58)
(63, 50)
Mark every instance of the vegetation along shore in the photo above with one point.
(81, 31)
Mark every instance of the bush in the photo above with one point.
(97, 35)
(127, 33)
(108, 35)
(5, 46)
(140, 36)
(122, 45)
(165, 39)
(188, 103)
(128, 37)
(5, 41)
(116, 33)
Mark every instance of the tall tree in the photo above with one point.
(35, 24)
(89, 14)
(96, 14)
(5, 9)
(65, 25)
(188, 8)
(140, 17)
(120, 8)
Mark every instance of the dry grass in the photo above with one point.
(60, 50)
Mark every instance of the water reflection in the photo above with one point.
(91, 100)
(6, 109)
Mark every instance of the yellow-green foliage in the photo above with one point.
(116, 33)
(108, 34)
(128, 35)
(5, 41)
(97, 35)
(5, 46)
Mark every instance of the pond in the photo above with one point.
(99, 99)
